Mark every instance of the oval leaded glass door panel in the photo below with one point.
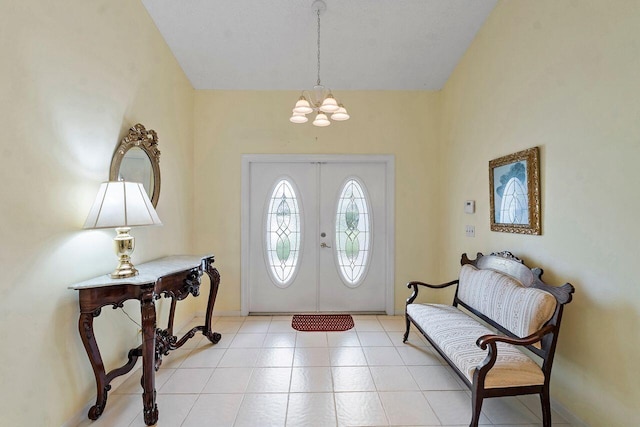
(353, 235)
(283, 233)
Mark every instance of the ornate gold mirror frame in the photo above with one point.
(514, 193)
(147, 141)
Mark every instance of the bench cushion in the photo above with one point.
(455, 333)
(505, 300)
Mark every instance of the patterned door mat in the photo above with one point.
(322, 322)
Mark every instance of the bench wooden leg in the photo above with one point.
(546, 407)
(406, 334)
(476, 407)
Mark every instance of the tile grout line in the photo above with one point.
(265, 345)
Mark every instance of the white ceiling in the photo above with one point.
(365, 44)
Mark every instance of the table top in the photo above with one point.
(148, 272)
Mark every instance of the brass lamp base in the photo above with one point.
(125, 269)
(124, 245)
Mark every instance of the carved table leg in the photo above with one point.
(148, 310)
(214, 278)
(85, 326)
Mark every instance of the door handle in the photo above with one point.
(324, 245)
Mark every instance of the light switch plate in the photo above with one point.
(470, 230)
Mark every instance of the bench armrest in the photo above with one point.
(491, 341)
(486, 340)
(415, 285)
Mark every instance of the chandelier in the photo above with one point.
(320, 99)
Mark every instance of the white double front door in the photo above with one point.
(318, 236)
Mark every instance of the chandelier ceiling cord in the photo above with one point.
(318, 13)
(321, 100)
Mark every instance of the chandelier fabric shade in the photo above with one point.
(320, 100)
(341, 114)
(298, 118)
(329, 105)
(302, 106)
(321, 120)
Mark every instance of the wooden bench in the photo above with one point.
(496, 291)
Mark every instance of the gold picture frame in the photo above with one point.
(514, 192)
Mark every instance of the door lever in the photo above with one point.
(324, 245)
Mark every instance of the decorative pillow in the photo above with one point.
(505, 300)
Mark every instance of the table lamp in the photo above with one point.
(122, 205)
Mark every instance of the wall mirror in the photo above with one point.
(137, 159)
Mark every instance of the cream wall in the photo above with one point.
(562, 75)
(75, 75)
(558, 74)
(231, 123)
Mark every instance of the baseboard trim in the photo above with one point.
(217, 313)
(81, 416)
(567, 415)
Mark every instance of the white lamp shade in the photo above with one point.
(329, 105)
(302, 106)
(298, 118)
(121, 204)
(341, 114)
(321, 120)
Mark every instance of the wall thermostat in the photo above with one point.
(470, 206)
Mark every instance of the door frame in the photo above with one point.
(245, 224)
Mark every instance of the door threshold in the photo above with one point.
(290, 313)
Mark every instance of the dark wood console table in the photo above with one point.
(174, 277)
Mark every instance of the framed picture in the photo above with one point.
(514, 187)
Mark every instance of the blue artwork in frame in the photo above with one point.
(515, 192)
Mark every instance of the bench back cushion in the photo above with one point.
(505, 300)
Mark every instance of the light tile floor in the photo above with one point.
(264, 373)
